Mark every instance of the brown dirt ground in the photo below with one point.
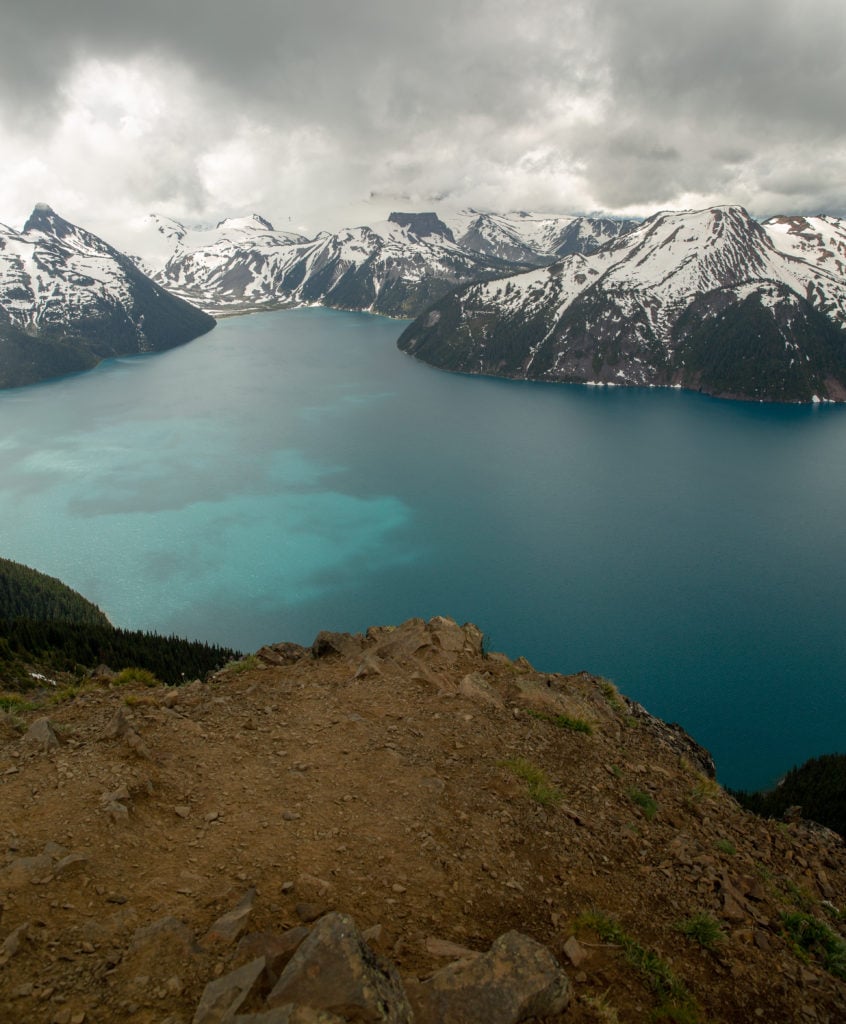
(374, 778)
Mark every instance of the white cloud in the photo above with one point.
(331, 113)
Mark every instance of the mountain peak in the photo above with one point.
(251, 220)
(422, 224)
(44, 218)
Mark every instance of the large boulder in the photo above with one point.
(516, 980)
(335, 970)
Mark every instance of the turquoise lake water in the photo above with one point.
(292, 472)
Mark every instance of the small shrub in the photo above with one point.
(564, 722)
(541, 790)
(702, 928)
(144, 700)
(136, 677)
(726, 846)
(706, 788)
(15, 702)
(611, 694)
(645, 802)
(812, 937)
(65, 694)
(799, 897)
(601, 1009)
(246, 664)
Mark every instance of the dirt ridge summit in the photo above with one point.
(433, 797)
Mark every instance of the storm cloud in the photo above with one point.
(330, 113)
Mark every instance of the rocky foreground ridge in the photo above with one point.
(396, 826)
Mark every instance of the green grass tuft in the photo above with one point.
(813, 938)
(676, 1003)
(644, 801)
(702, 928)
(136, 677)
(564, 722)
(541, 790)
(246, 664)
(14, 703)
(611, 694)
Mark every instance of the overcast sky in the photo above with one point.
(325, 113)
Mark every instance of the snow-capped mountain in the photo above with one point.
(161, 239)
(587, 234)
(819, 240)
(397, 268)
(702, 299)
(530, 237)
(68, 299)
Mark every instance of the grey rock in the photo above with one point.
(474, 687)
(68, 862)
(455, 639)
(403, 643)
(118, 812)
(369, 666)
(575, 951)
(54, 850)
(12, 943)
(117, 727)
(277, 950)
(42, 734)
(449, 950)
(335, 970)
(281, 654)
(22, 870)
(328, 645)
(231, 925)
(308, 912)
(166, 936)
(516, 980)
(222, 997)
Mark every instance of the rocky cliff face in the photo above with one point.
(700, 299)
(68, 300)
(396, 826)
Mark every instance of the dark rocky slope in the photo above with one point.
(702, 300)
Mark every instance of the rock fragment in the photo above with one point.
(335, 970)
(277, 949)
(42, 735)
(516, 980)
(231, 925)
(13, 942)
(222, 997)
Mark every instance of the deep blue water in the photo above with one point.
(292, 472)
